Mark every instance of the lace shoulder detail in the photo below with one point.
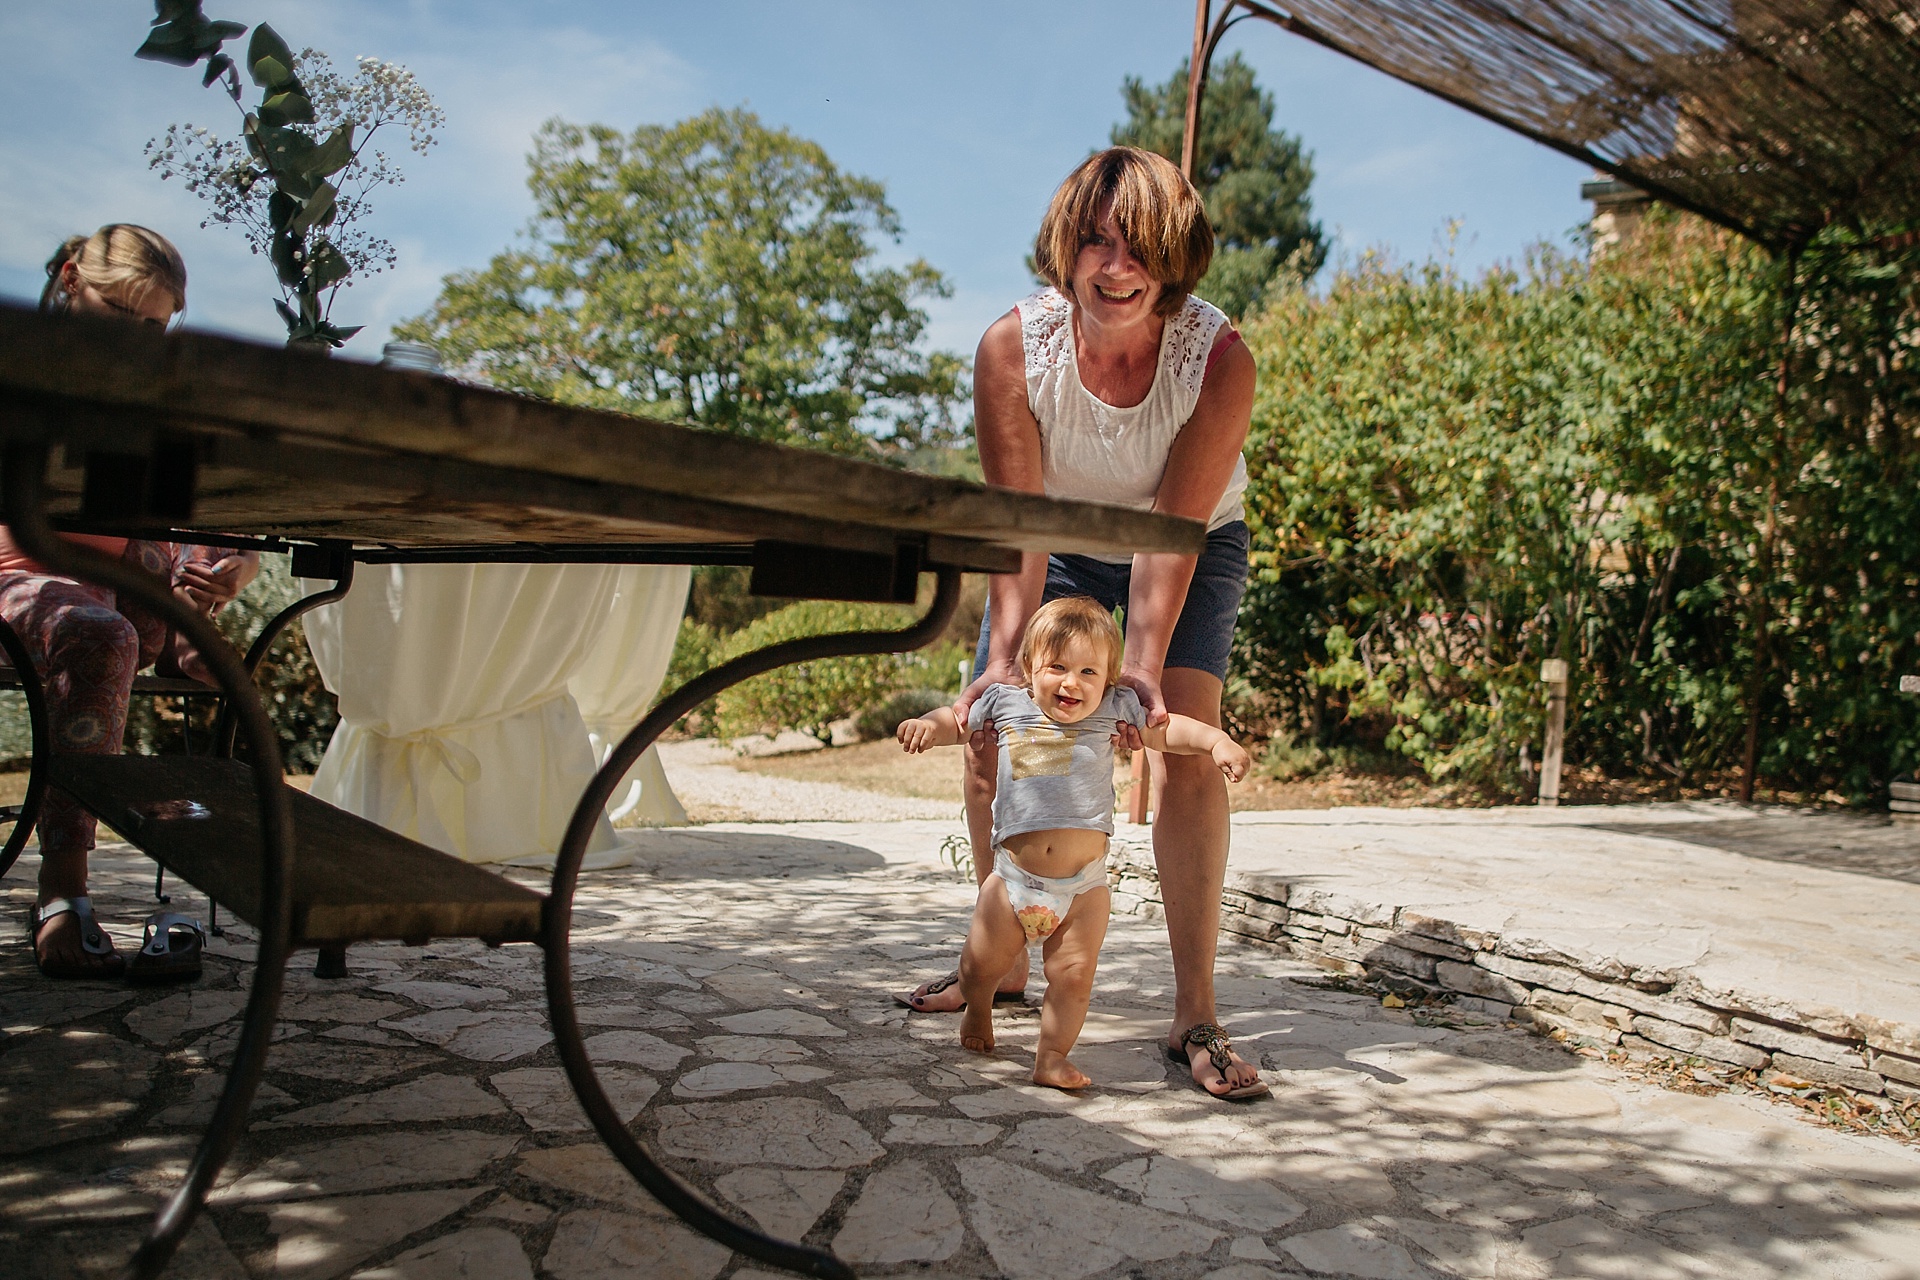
(1188, 341)
(1044, 328)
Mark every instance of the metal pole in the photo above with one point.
(1196, 84)
(1553, 674)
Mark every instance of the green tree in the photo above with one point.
(1254, 178)
(1452, 480)
(714, 271)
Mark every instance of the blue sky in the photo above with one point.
(969, 113)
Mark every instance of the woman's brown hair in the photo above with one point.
(1159, 213)
(124, 262)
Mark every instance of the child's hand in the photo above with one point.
(1232, 759)
(915, 735)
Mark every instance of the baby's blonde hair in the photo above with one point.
(124, 262)
(1070, 618)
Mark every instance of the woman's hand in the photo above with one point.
(1145, 684)
(211, 587)
(1005, 671)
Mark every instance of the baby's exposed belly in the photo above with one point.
(1058, 853)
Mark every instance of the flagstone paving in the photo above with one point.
(734, 985)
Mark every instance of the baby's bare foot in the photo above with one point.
(976, 1029)
(1053, 1070)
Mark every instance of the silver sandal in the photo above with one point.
(170, 948)
(93, 940)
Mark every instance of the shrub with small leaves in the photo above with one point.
(809, 696)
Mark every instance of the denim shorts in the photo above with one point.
(1202, 638)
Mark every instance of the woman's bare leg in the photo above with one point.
(1072, 956)
(991, 941)
(1190, 836)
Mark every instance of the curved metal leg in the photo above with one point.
(36, 694)
(667, 1188)
(224, 724)
(24, 479)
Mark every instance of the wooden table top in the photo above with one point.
(292, 443)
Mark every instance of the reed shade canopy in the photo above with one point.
(1776, 118)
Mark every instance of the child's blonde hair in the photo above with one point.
(1070, 618)
(124, 262)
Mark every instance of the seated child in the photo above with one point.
(1052, 814)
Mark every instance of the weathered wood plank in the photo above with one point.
(353, 881)
(132, 381)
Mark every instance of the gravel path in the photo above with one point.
(712, 790)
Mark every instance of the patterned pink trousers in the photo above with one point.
(87, 645)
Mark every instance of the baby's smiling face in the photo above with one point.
(1068, 684)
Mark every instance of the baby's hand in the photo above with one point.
(1232, 759)
(915, 735)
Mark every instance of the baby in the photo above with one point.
(1052, 814)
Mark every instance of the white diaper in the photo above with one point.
(1041, 902)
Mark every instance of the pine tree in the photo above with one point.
(1253, 176)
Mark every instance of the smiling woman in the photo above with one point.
(1116, 385)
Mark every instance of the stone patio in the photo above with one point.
(734, 985)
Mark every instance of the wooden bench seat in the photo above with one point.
(353, 880)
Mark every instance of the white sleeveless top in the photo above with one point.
(1095, 452)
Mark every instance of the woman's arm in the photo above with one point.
(1009, 439)
(1198, 469)
(1185, 736)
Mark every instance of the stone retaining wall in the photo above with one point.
(1605, 999)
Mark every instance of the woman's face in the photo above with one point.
(83, 299)
(1109, 284)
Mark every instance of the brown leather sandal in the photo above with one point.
(1219, 1049)
(935, 986)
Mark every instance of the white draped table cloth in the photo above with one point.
(459, 725)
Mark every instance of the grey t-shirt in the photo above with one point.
(1053, 775)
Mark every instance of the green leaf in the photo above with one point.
(289, 106)
(182, 35)
(269, 60)
(282, 209)
(333, 155)
(288, 154)
(285, 253)
(318, 211)
(326, 265)
(218, 65)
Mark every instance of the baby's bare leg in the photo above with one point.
(1072, 956)
(994, 940)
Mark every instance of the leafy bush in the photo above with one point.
(810, 695)
(723, 623)
(1452, 480)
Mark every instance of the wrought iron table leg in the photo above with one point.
(24, 481)
(691, 1207)
(36, 695)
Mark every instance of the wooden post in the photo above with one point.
(1140, 799)
(1196, 85)
(1553, 674)
(1906, 795)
